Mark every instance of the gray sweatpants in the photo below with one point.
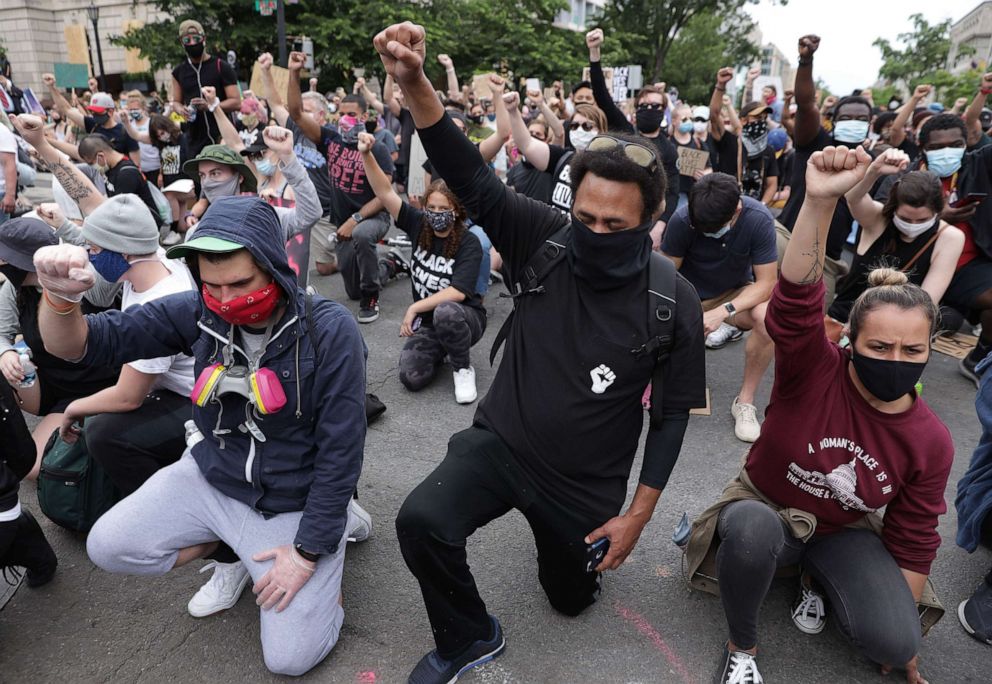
(177, 508)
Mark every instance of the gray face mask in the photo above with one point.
(214, 189)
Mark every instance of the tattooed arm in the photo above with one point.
(73, 181)
(829, 174)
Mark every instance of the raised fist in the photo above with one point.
(594, 39)
(31, 128)
(65, 271)
(753, 73)
(497, 84)
(365, 142)
(265, 61)
(724, 76)
(987, 81)
(297, 60)
(835, 170)
(445, 61)
(890, 162)
(808, 45)
(48, 80)
(278, 139)
(512, 100)
(401, 48)
(602, 377)
(922, 91)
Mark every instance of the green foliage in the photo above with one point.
(646, 31)
(513, 35)
(707, 43)
(923, 55)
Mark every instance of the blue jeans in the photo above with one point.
(868, 596)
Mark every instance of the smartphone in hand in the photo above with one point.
(595, 553)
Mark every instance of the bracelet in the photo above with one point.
(298, 562)
(722, 89)
(59, 311)
(805, 61)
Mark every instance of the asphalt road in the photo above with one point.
(88, 625)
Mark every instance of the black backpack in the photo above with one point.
(661, 305)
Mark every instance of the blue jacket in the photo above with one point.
(309, 455)
(974, 499)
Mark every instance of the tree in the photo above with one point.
(924, 53)
(515, 35)
(646, 30)
(703, 46)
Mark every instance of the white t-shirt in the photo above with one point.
(150, 160)
(8, 143)
(175, 373)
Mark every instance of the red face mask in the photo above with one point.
(247, 309)
(770, 100)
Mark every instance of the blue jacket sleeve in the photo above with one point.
(163, 327)
(339, 390)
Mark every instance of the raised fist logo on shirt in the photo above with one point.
(602, 377)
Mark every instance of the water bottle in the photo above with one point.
(29, 369)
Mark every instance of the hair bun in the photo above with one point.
(880, 277)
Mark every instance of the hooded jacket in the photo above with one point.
(308, 456)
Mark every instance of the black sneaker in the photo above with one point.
(433, 669)
(401, 266)
(738, 667)
(967, 368)
(368, 309)
(975, 614)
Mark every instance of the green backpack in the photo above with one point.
(73, 489)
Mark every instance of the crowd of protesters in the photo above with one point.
(160, 308)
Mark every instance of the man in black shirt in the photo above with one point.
(188, 80)
(650, 105)
(102, 120)
(556, 436)
(122, 176)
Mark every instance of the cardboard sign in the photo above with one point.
(616, 80)
(280, 77)
(958, 345)
(534, 85)
(691, 160)
(415, 182)
(480, 86)
(69, 75)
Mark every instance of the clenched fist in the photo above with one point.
(65, 271)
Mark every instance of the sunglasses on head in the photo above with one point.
(586, 126)
(191, 39)
(650, 105)
(640, 154)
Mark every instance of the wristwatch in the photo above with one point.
(730, 309)
(357, 217)
(306, 555)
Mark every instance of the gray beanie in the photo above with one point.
(122, 224)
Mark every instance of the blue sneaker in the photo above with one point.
(433, 669)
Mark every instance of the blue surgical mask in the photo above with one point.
(685, 127)
(110, 265)
(850, 131)
(265, 167)
(719, 234)
(944, 162)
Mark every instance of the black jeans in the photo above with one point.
(477, 482)
(135, 445)
(455, 329)
(868, 595)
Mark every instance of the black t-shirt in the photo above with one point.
(431, 272)
(407, 128)
(786, 163)
(529, 181)
(313, 156)
(126, 178)
(350, 189)
(577, 444)
(840, 225)
(212, 71)
(753, 171)
(560, 168)
(173, 156)
(116, 135)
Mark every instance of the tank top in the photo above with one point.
(889, 250)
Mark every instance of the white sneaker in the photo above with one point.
(746, 425)
(723, 335)
(359, 523)
(809, 614)
(465, 392)
(222, 591)
(172, 238)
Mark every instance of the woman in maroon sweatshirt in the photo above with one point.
(844, 436)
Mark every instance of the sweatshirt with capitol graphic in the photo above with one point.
(825, 450)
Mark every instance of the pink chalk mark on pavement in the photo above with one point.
(640, 623)
(366, 678)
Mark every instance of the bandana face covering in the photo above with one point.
(248, 309)
(607, 260)
(214, 190)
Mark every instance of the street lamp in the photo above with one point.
(93, 12)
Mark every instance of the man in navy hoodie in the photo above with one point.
(281, 434)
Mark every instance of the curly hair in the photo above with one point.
(458, 230)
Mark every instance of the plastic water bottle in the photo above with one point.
(29, 369)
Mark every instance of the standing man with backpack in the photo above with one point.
(600, 316)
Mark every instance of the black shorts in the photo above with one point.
(970, 281)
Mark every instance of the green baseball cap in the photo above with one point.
(222, 154)
(213, 245)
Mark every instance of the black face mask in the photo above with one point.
(649, 120)
(100, 119)
(887, 380)
(477, 119)
(194, 51)
(15, 275)
(608, 260)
